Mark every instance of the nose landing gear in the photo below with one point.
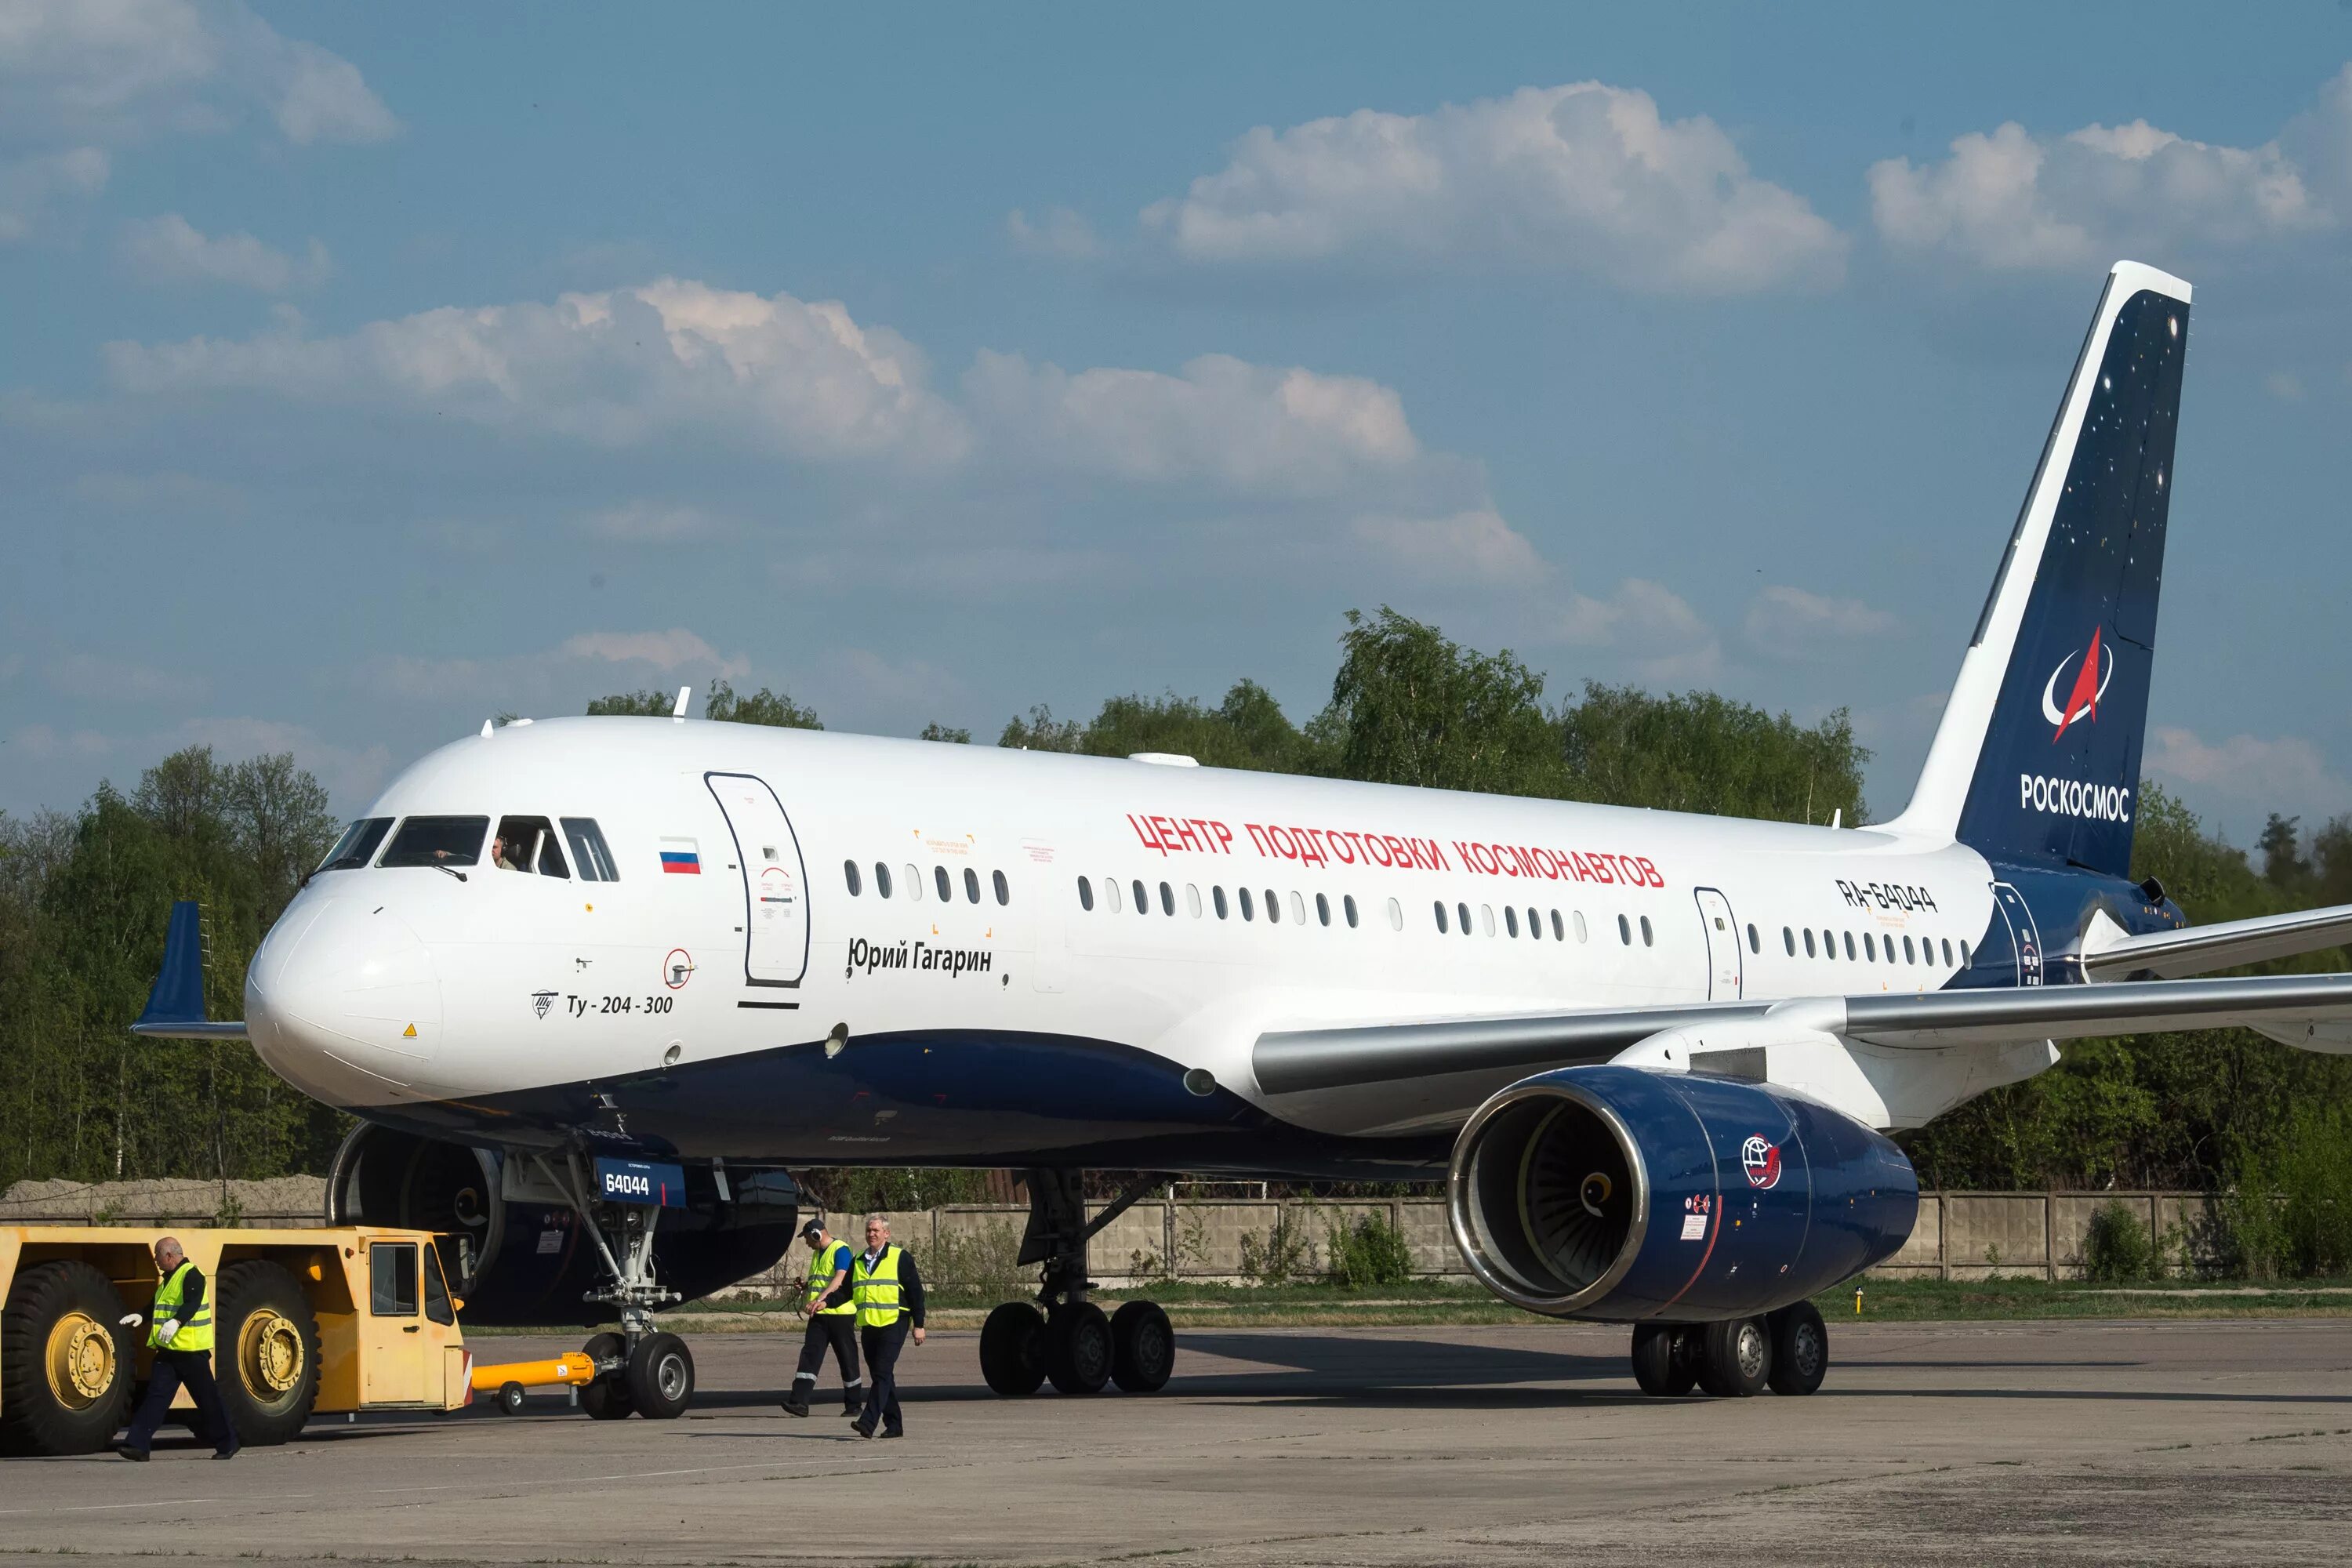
(1064, 1337)
(640, 1369)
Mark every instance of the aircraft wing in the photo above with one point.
(2313, 1011)
(2201, 950)
(175, 1006)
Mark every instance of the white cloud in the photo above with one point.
(528, 679)
(670, 357)
(2284, 386)
(1791, 621)
(43, 743)
(650, 522)
(33, 187)
(1586, 178)
(1654, 628)
(2286, 773)
(168, 492)
(1063, 233)
(1474, 546)
(171, 249)
(124, 71)
(1254, 426)
(667, 651)
(2011, 201)
(94, 678)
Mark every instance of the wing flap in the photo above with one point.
(2201, 950)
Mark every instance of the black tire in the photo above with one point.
(607, 1397)
(661, 1377)
(1654, 1358)
(1078, 1348)
(64, 1362)
(1735, 1358)
(1013, 1350)
(1801, 1349)
(265, 1353)
(1142, 1348)
(510, 1397)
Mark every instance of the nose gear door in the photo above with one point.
(775, 882)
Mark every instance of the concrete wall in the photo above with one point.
(1959, 1236)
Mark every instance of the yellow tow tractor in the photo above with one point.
(305, 1322)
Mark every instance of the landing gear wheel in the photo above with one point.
(1078, 1348)
(1801, 1349)
(1664, 1354)
(1735, 1358)
(607, 1398)
(1142, 1348)
(661, 1377)
(65, 1363)
(266, 1352)
(511, 1399)
(1011, 1349)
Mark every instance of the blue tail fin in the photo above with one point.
(2038, 755)
(178, 996)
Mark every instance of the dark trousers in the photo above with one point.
(174, 1368)
(882, 1347)
(836, 1331)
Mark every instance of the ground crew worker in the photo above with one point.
(179, 1330)
(889, 1296)
(830, 1306)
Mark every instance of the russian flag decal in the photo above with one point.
(679, 857)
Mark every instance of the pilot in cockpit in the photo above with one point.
(498, 856)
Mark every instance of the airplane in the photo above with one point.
(594, 986)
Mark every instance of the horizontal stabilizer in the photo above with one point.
(175, 1006)
(2201, 950)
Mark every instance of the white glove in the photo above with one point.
(131, 1319)
(167, 1328)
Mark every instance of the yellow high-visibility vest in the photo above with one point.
(195, 1332)
(877, 1289)
(820, 1276)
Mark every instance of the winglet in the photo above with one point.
(175, 1006)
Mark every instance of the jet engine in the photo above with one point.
(518, 1252)
(1622, 1193)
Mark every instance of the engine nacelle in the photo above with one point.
(519, 1254)
(1622, 1193)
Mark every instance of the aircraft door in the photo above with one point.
(1724, 967)
(2025, 936)
(775, 882)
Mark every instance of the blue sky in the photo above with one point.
(364, 377)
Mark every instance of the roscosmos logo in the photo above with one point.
(2090, 685)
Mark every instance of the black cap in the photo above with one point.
(812, 1230)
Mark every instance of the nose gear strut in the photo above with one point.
(640, 1368)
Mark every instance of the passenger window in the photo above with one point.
(1273, 906)
(1965, 959)
(1167, 899)
(1348, 903)
(1753, 946)
(1003, 890)
(1580, 933)
(1440, 907)
(1110, 893)
(1511, 919)
(1645, 931)
(1889, 945)
(1535, 925)
(1948, 953)
(913, 883)
(1849, 947)
(1142, 899)
(1907, 956)
(1809, 942)
(436, 1294)
(881, 880)
(849, 875)
(971, 885)
(1248, 911)
(437, 841)
(1789, 940)
(1462, 915)
(1217, 896)
(391, 1275)
(940, 884)
(1322, 909)
(1085, 895)
(1193, 900)
(1486, 919)
(1396, 915)
(1298, 908)
(1869, 947)
(1624, 930)
(358, 845)
(589, 850)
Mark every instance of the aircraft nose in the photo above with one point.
(343, 1001)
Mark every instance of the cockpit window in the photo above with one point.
(590, 850)
(437, 841)
(527, 844)
(358, 845)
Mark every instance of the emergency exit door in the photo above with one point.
(775, 882)
(1725, 969)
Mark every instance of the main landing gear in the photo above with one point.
(640, 1369)
(1787, 1351)
(1063, 1337)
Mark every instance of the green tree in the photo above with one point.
(721, 702)
(935, 730)
(1409, 707)
(1247, 729)
(1702, 752)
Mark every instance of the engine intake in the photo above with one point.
(1621, 1193)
